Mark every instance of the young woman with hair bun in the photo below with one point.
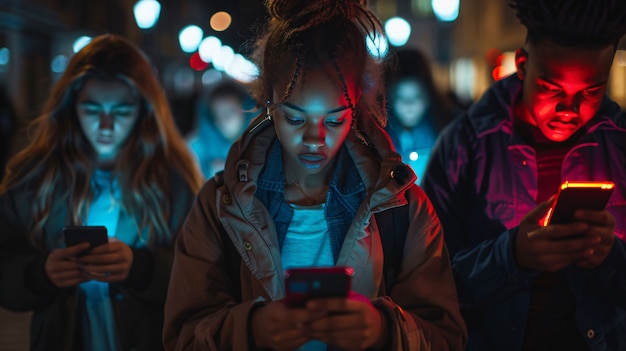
(300, 189)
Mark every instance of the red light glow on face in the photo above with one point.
(563, 87)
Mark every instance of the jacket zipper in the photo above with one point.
(265, 119)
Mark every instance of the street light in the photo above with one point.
(146, 13)
(190, 37)
(398, 31)
(446, 10)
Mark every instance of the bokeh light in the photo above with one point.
(5, 56)
(398, 31)
(197, 63)
(209, 47)
(146, 13)
(220, 21)
(242, 69)
(211, 76)
(223, 58)
(59, 64)
(80, 43)
(446, 10)
(190, 37)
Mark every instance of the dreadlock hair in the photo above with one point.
(573, 23)
(302, 35)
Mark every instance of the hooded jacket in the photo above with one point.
(208, 309)
(482, 180)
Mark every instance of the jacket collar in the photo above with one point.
(379, 167)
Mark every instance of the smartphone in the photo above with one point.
(572, 196)
(95, 235)
(302, 284)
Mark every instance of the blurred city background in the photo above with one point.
(194, 43)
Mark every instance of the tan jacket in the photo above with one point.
(201, 312)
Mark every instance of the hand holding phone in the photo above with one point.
(592, 195)
(548, 248)
(302, 284)
(94, 235)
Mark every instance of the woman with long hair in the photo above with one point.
(105, 152)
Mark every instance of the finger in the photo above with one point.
(344, 322)
(73, 250)
(62, 266)
(102, 258)
(540, 212)
(67, 275)
(569, 245)
(67, 279)
(559, 231)
(337, 304)
(109, 247)
(602, 218)
(107, 268)
(600, 235)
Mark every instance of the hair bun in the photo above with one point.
(316, 11)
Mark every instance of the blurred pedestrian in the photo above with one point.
(105, 152)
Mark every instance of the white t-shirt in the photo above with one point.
(307, 244)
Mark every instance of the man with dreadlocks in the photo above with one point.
(495, 170)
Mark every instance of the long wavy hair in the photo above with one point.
(59, 162)
(302, 35)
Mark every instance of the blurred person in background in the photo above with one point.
(222, 115)
(105, 151)
(495, 170)
(416, 108)
(8, 128)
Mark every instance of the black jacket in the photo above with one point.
(56, 323)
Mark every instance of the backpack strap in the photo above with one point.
(393, 225)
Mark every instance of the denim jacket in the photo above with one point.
(482, 180)
(343, 199)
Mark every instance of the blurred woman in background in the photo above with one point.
(417, 110)
(105, 151)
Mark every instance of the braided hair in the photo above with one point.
(302, 35)
(573, 23)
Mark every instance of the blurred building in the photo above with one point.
(469, 50)
(37, 38)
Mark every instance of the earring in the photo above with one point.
(268, 116)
